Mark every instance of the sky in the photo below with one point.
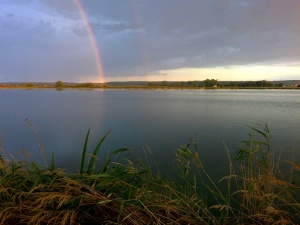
(149, 40)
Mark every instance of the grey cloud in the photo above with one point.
(80, 31)
(44, 28)
(142, 37)
(63, 8)
(9, 15)
(111, 26)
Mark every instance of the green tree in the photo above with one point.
(59, 84)
(210, 82)
(86, 85)
(28, 85)
(164, 83)
(192, 83)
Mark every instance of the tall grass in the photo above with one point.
(128, 191)
(263, 194)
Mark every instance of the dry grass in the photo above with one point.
(263, 194)
(131, 193)
(30, 195)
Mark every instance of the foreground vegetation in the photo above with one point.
(127, 190)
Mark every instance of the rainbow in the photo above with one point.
(92, 39)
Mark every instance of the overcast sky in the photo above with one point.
(50, 40)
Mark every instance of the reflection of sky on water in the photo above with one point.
(163, 120)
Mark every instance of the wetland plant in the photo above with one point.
(128, 191)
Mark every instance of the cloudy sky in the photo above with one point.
(120, 40)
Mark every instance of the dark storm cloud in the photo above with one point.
(49, 38)
(207, 33)
(102, 26)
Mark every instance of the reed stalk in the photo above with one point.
(125, 190)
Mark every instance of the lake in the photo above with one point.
(163, 120)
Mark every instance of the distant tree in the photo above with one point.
(233, 84)
(210, 82)
(151, 83)
(102, 85)
(28, 85)
(251, 84)
(86, 85)
(192, 83)
(182, 84)
(164, 83)
(279, 85)
(265, 83)
(59, 84)
(174, 84)
(90, 85)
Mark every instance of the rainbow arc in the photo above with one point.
(92, 39)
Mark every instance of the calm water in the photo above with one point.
(162, 120)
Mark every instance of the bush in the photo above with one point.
(59, 84)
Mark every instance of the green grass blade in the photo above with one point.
(105, 166)
(265, 135)
(36, 167)
(52, 162)
(95, 153)
(84, 151)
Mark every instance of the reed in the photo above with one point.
(125, 190)
(263, 194)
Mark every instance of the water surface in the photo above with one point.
(163, 120)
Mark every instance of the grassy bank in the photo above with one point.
(157, 85)
(124, 190)
(108, 87)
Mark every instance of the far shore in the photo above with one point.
(149, 88)
(158, 85)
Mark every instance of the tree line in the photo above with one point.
(262, 83)
(214, 83)
(207, 83)
(60, 85)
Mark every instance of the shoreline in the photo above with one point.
(150, 88)
(209, 84)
